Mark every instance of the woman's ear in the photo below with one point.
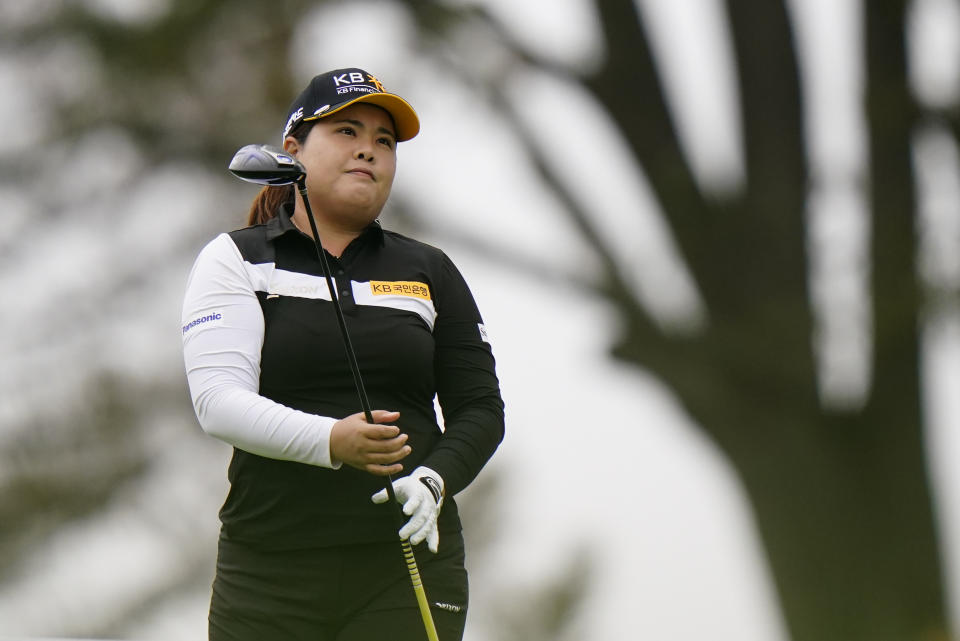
(291, 146)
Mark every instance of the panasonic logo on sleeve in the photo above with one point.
(211, 319)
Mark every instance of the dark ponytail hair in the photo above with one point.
(269, 199)
(266, 203)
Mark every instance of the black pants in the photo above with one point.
(345, 593)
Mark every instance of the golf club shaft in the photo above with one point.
(408, 555)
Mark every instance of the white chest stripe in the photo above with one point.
(284, 283)
(363, 295)
(265, 277)
(259, 275)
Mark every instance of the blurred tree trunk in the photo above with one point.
(841, 498)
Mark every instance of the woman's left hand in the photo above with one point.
(421, 495)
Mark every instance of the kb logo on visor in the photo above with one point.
(356, 78)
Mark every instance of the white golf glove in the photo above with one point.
(421, 494)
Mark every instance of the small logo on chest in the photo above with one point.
(409, 288)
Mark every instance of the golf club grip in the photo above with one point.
(408, 555)
(418, 590)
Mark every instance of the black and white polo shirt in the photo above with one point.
(268, 374)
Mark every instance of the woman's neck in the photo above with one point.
(333, 238)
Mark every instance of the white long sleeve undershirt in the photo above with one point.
(223, 332)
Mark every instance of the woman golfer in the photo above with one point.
(308, 549)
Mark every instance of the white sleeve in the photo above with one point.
(222, 337)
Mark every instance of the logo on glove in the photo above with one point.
(433, 486)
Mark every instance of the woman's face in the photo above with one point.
(350, 158)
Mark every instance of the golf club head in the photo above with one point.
(266, 165)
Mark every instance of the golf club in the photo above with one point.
(266, 165)
(269, 165)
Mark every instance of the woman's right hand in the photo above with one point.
(371, 447)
